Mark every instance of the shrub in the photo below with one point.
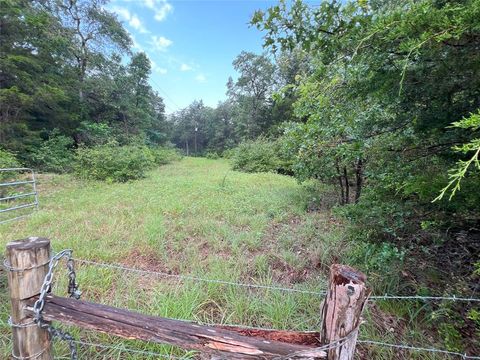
(255, 156)
(212, 155)
(164, 155)
(113, 163)
(91, 134)
(229, 153)
(262, 155)
(54, 154)
(7, 160)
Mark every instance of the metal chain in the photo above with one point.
(72, 284)
(69, 339)
(45, 289)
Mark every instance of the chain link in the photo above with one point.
(69, 339)
(46, 288)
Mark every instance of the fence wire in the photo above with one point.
(196, 278)
(269, 287)
(414, 348)
(277, 288)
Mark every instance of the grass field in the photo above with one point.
(196, 217)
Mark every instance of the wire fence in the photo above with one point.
(365, 342)
(270, 287)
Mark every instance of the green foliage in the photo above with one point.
(457, 173)
(54, 154)
(261, 155)
(8, 160)
(212, 155)
(388, 79)
(113, 163)
(91, 134)
(52, 79)
(164, 155)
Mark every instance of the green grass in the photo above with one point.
(194, 217)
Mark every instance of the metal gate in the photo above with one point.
(18, 193)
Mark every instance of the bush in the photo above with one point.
(212, 155)
(164, 155)
(255, 156)
(113, 163)
(7, 160)
(229, 153)
(262, 155)
(54, 154)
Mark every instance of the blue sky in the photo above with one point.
(191, 43)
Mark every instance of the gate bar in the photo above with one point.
(18, 196)
(17, 183)
(18, 207)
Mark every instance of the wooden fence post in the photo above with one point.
(342, 308)
(28, 261)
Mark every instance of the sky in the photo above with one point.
(191, 43)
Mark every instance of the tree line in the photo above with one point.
(379, 99)
(69, 78)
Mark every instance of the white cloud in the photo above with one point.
(185, 67)
(161, 8)
(201, 78)
(122, 12)
(137, 24)
(161, 43)
(132, 19)
(158, 69)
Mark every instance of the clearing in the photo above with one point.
(194, 217)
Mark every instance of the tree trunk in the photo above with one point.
(340, 182)
(347, 186)
(359, 179)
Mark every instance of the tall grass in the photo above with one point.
(192, 217)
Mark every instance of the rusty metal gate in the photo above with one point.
(18, 193)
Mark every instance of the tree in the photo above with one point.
(388, 80)
(251, 92)
(34, 79)
(62, 77)
(95, 32)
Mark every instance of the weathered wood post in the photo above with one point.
(28, 264)
(342, 308)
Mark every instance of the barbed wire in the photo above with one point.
(414, 348)
(419, 297)
(247, 327)
(196, 278)
(269, 287)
